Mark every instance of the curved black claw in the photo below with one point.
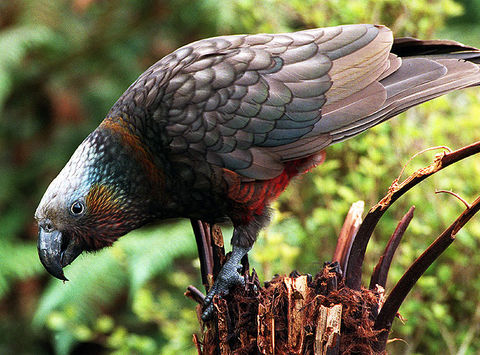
(227, 278)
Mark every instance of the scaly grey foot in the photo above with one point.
(228, 277)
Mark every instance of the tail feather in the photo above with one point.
(428, 69)
(408, 47)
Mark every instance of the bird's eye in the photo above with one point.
(77, 208)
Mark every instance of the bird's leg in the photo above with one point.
(244, 235)
(228, 277)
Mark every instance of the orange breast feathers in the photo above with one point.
(254, 195)
(142, 155)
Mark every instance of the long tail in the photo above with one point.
(419, 71)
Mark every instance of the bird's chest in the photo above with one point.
(222, 193)
(196, 189)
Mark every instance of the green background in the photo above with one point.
(64, 63)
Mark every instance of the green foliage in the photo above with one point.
(17, 261)
(417, 18)
(19, 41)
(75, 311)
(64, 63)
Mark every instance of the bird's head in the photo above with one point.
(99, 196)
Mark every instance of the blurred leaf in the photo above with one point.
(18, 261)
(15, 44)
(149, 252)
(98, 280)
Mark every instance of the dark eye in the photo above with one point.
(77, 208)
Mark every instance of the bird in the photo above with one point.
(218, 128)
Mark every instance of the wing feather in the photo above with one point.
(277, 86)
(250, 103)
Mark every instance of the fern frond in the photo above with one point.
(64, 342)
(18, 261)
(152, 251)
(15, 44)
(98, 279)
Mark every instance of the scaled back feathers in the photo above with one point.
(249, 103)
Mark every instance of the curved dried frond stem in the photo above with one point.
(467, 205)
(347, 234)
(195, 294)
(201, 230)
(415, 271)
(380, 272)
(448, 149)
(442, 160)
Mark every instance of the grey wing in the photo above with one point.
(250, 103)
(418, 71)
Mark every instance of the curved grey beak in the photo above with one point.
(55, 252)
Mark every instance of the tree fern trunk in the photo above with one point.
(330, 313)
(294, 314)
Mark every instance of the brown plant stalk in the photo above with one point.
(353, 274)
(415, 271)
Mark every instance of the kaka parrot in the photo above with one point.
(219, 127)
